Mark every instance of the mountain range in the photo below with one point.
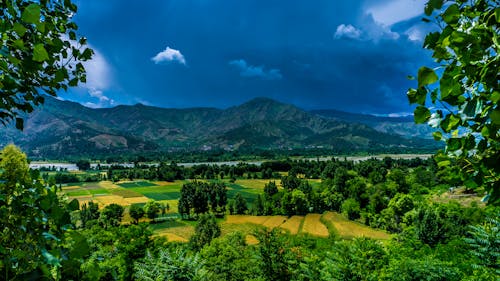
(60, 129)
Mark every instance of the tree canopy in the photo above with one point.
(40, 53)
(463, 90)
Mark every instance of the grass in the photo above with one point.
(162, 196)
(98, 191)
(79, 192)
(136, 184)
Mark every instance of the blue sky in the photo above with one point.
(348, 55)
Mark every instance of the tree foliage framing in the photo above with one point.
(40, 53)
(464, 88)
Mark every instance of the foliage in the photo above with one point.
(205, 231)
(360, 259)
(465, 89)
(112, 215)
(275, 257)
(229, 258)
(89, 212)
(151, 209)
(484, 243)
(113, 251)
(170, 265)
(351, 209)
(35, 225)
(240, 204)
(40, 53)
(136, 212)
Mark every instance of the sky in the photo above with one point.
(323, 54)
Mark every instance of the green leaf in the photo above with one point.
(497, 14)
(426, 76)
(485, 132)
(444, 163)
(31, 14)
(452, 14)
(40, 54)
(454, 143)
(417, 96)
(19, 29)
(495, 116)
(437, 135)
(450, 122)
(421, 114)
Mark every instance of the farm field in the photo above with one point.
(127, 193)
(349, 229)
(311, 224)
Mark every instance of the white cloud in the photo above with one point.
(369, 31)
(169, 55)
(388, 13)
(347, 31)
(98, 71)
(247, 70)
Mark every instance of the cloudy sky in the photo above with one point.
(349, 55)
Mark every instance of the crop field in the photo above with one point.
(314, 226)
(293, 224)
(140, 192)
(349, 229)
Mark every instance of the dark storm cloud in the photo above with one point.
(315, 54)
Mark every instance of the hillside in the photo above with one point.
(60, 129)
(402, 126)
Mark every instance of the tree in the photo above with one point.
(240, 204)
(151, 209)
(229, 258)
(170, 265)
(112, 215)
(35, 226)
(484, 243)
(351, 209)
(41, 53)
(89, 212)
(270, 189)
(136, 212)
(83, 165)
(467, 97)
(206, 229)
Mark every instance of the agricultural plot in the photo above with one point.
(349, 229)
(313, 226)
(293, 224)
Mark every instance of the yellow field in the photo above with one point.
(171, 237)
(274, 221)
(349, 229)
(108, 184)
(293, 224)
(256, 183)
(242, 219)
(314, 226)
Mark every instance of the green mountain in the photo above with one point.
(60, 129)
(402, 126)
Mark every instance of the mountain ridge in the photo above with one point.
(63, 128)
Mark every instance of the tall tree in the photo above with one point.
(41, 53)
(34, 223)
(465, 89)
